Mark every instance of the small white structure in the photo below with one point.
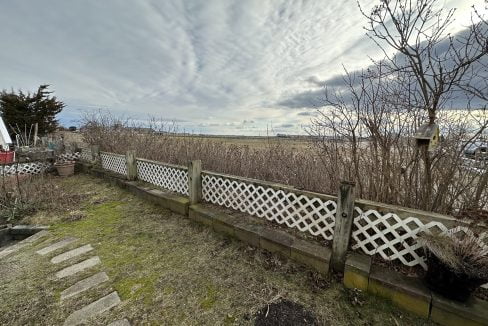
(5, 139)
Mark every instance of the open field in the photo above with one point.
(251, 141)
(168, 271)
(390, 168)
(258, 142)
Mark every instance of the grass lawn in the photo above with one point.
(167, 271)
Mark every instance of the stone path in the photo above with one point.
(55, 246)
(71, 254)
(122, 322)
(84, 285)
(95, 308)
(23, 243)
(76, 268)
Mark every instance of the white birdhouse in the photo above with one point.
(428, 135)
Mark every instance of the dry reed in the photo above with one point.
(386, 169)
(464, 255)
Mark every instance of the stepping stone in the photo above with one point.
(121, 322)
(84, 285)
(23, 243)
(71, 254)
(76, 268)
(35, 237)
(93, 309)
(56, 246)
(11, 249)
(27, 230)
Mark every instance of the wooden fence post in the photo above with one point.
(130, 159)
(195, 181)
(343, 225)
(75, 147)
(95, 152)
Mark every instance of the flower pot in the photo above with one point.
(65, 169)
(442, 279)
(6, 157)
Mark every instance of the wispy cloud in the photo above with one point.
(457, 99)
(210, 63)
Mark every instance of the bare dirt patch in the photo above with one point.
(285, 313)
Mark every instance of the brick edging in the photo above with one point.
(256, 235)
(411, 294)
(174, 203)
(406, 292)
(19, 232)
(264, 237)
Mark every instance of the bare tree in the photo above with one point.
(416, 32)
(477, 85)
(366, 126)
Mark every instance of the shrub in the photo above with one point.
(457, 266)
(463, 255)
(389, 173)
(24, 195)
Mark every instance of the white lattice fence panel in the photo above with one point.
(86, 154)
(164, 176)
(394, 238)
(24, 168)
(69, 156)
(114, 162)
(307, 214)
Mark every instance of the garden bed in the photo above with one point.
(412, 294)
(168, 270)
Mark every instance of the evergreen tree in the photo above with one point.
(26, 109)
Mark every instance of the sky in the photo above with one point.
(216, 67)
